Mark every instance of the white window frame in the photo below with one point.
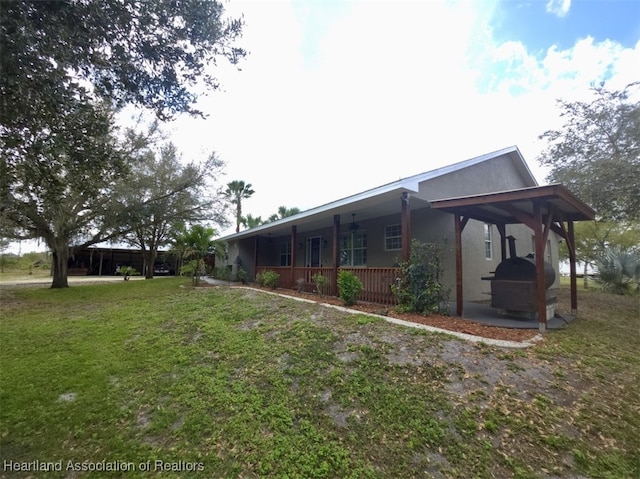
(393, 237)
(285, 252)
(488, 241)
(349, 250)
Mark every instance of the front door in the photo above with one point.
(314, 256)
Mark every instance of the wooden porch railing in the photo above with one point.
(376, 282)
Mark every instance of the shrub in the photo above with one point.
(241, 275)
(619, 271)
(349, 287)
(127, 271)
(222, 272)
(322, 283)
(270, 279)
(419, 288)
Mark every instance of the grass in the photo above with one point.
(218, 382)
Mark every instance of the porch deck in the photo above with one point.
(485, 314)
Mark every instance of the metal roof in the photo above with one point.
(377, 201)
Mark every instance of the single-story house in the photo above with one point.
(370, 233)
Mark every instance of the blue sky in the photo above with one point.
(539, 27)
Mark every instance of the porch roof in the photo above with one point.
(509, 207)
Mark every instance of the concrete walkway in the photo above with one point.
(46, 280)
(485, 314)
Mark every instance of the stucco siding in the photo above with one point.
(497, 174)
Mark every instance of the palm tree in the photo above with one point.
(619, 270)
(195, 244)
(252, 222)
(283, 212)
(237, 191)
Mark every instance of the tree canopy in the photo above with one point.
(162, 193)
(283, 212)
(65, 67)
(596, 153)
(58, 186)
(152, 54)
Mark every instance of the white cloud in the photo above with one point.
(394, 89)
(560, 8)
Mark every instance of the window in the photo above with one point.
(285, 253)
(393, 237)
(488, 241)
(353, 249)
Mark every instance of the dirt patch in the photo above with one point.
(449, 323)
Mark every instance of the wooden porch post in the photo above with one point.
(336, 254)
(541, 299)
(406, 227)
(503, 240)
(571, 244)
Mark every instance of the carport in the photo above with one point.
(542, 208)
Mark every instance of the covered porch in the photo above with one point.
(298, 251)
(543, 209)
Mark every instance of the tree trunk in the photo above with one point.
(585, 278)
(150, 259)
(60, 264)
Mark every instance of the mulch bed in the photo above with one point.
(449, 323)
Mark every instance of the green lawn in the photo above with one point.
(219, 382)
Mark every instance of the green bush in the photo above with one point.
(349, 287)
(241, 275)
(322, 283)
(270, 279)
(419, 288)
(127, 270)
(222, 272)
(619, 271)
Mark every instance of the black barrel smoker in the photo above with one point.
(513, 285)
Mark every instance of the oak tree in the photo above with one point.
(162, 193)
(596, 153)
(65, 65)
